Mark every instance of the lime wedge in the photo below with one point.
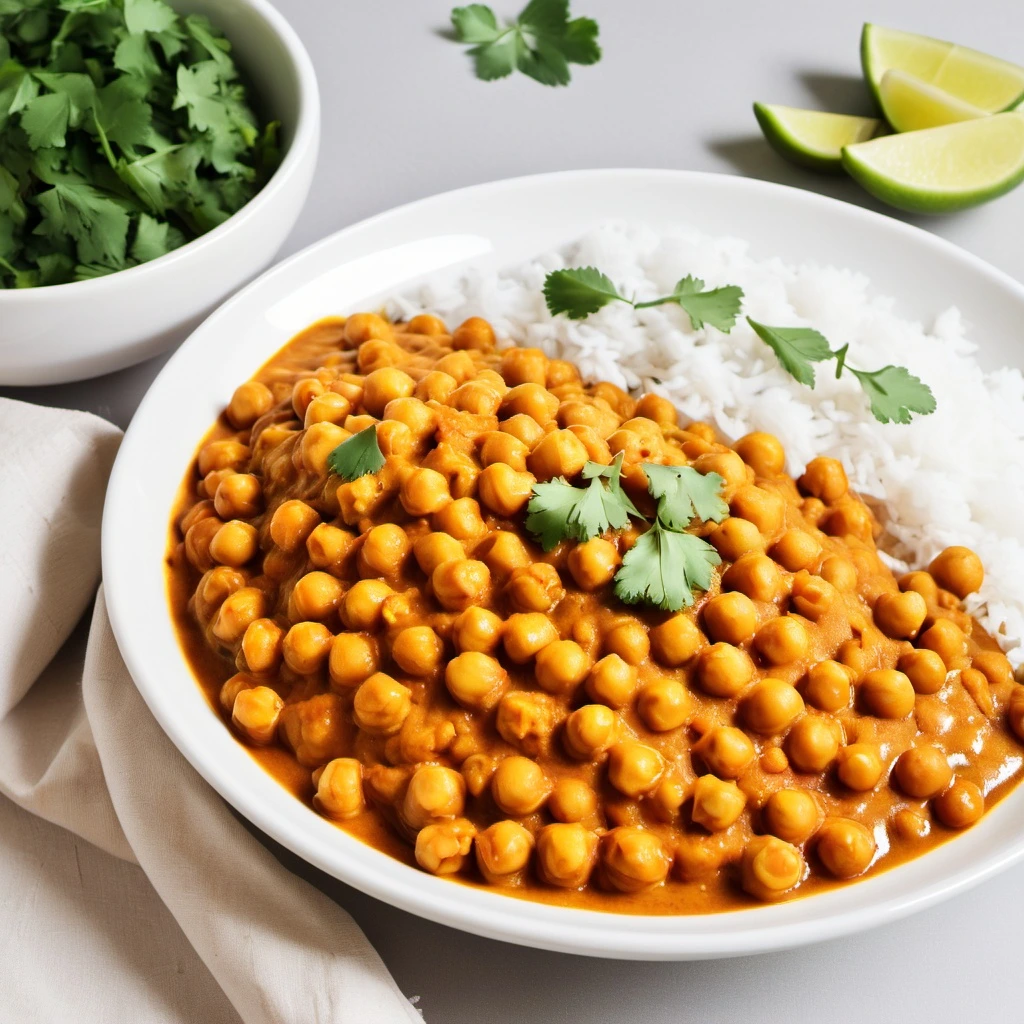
(976, 78)
(910, 104)
(942, 169)
(810, 137)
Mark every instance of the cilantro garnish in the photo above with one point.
(542, 42)
(893, 391)
(357, 456)
(584, 290)
(682, 493)
(664, 567)
(559, 511)
(125, 131)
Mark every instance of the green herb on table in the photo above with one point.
(357, 455)
(560, 511)
(542, 42)
(125, 131)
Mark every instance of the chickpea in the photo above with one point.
(771, 707)
(433, 549)
(249, 402)
(434, 794)
(329, 546)
(362, 327)
(774, 761)
(947, 640)
(664, 704)
(887, 693)
(594, 563)
(812, 743)
(840, 572)
(961, 804)
(859, 767)
(503, 850)
(560, 453)
(727, 465)
(716, 804)
(261, 645)
(923, 771)
(476, 680)
(812, 596)
(237, 612)
(238, 496)
(226, 454)
(922, 583)
(828, 686)
(420, 419)
(523, 428)
(526, 720)
(339, 789)
(783, 640)
(612, 681)
(726, 751)
(503, 552)
(435, 386)
(845, 847)
(256, 712)
(423, 492)
(478, 397)
(354, 658)
(590, 731)
(765, 509)
(232, 687)
(460, 583)
(770, 868)
(565, 854)
(959, 570)
(503, 490)
(381, 704)
(676, 641)
(519, 785)
(791, 814)
(911, 825)
(763, 453)
(561, 372)
(291, 523)
(234, 543)
(384, 551)
(755, 575)
(900, 615)
(499, 446)
(477, 629)
(629, 641)
(317, 443)
(442, 848)
(735, 538)
(1015, 712)
(524, 366)
(474, 333)
(796, 550)
(633, 859)
(532, 400)
(315, 596)
(572, 800)
(461, 519)
(361, 607)
(214, 588)
(858, 656)
(824, 478)
(384, 385)
(330, 407)
(655, 407)
(730, 618)
(724, 670)
(303, 393)
(526, 633)
(561, 666)
(417, 650)
(995, 667)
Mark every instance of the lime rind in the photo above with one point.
(941, 170)
(812, 138)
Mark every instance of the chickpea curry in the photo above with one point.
(397, 647)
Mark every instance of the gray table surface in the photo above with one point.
(404, 118)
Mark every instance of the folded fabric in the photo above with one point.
(79, 747)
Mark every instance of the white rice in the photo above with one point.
(954, 477)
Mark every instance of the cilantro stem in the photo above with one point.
(104, 143)
(840, 354)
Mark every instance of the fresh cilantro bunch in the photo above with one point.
(542, 42)
(125, 131)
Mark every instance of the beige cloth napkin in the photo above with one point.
(209, 926)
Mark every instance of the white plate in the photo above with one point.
(498, 224)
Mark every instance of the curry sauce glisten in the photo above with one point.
(397, 649)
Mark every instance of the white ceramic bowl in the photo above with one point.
(70, 331)
(497, 224)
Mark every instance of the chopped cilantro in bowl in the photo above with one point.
(126, 130)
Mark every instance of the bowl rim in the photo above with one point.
(869, 903)
(305, 135)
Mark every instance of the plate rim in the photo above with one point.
(500, 916)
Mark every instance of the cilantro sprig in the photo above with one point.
(894, 393)
(581, 291)
(125, 131)
(357, 455)
(541, 43)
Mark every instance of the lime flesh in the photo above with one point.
(939, 170)
(978, 79)
(910, 104)
(810, 137)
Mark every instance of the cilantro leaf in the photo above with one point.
(682, 493)
(357, 455)
(541, 43)
(895, 393)
(664, 567)
(549, 511)
(148, 16)
(154, 238)
(718, 307)
(796, 348)
(45, 120)
(97, 223)
(579, 292)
